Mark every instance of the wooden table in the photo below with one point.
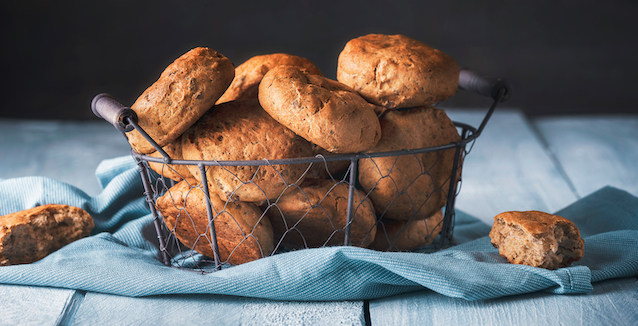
(516, 164)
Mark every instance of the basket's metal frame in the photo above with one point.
(125, 120)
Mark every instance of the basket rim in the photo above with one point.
(468, 134)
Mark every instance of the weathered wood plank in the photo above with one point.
(508, 168)
(68, 151)
(26, 305)
(595, 151)
(612, 302)
(212, 310)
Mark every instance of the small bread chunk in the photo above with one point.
(537, 239)
(30, 235)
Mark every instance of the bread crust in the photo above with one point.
(249, 74)
(410, 186)
(537, 239)
(396, 71)
(32, 234)
(242, 130)
(315, 215)
(172, 171)
(322, 111)
(185, 90)
(394, 235)
(243, 233)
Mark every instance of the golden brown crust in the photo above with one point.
(537, 239)
(249, 74)
(394, 235)
(396, 71)
(243, 233)
(410, 186)
(172, 171)
(318, 211)
(323, 111)
(242, 130)
(183, 93)
(30, 235)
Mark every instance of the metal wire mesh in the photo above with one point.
(198, 231)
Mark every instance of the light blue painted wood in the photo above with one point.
(68, 151)
(595, 151)
(25, 305)
(613, 302)
(508, 168)
(213, 310)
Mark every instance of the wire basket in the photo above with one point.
(198, 231)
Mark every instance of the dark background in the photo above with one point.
(562, 57)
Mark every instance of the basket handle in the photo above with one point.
(106, 107)
(484, 85)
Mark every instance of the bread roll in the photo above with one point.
(323, 111)
(396, 71)
(32, 234)
(410, 186)
(172, 171)
(315, 215)
(242, 130)
(249, 74)
(183, 93)
(394, 235)
(243, 234)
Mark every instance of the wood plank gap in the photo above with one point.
(509, 169)
(70, 308)
(548, 149)
(366, 312)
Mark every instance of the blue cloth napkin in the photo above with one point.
(121, 258)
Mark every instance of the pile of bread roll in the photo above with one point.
(279, 106)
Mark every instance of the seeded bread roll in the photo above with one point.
(32, 234)
(249, 74)
(242, 130)
(410, 186)
(243, 234)
(537, 239)
(172, 171)
(315, 215)
(182, 94)
(396, 71)
(394, 235)
(323, 111)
